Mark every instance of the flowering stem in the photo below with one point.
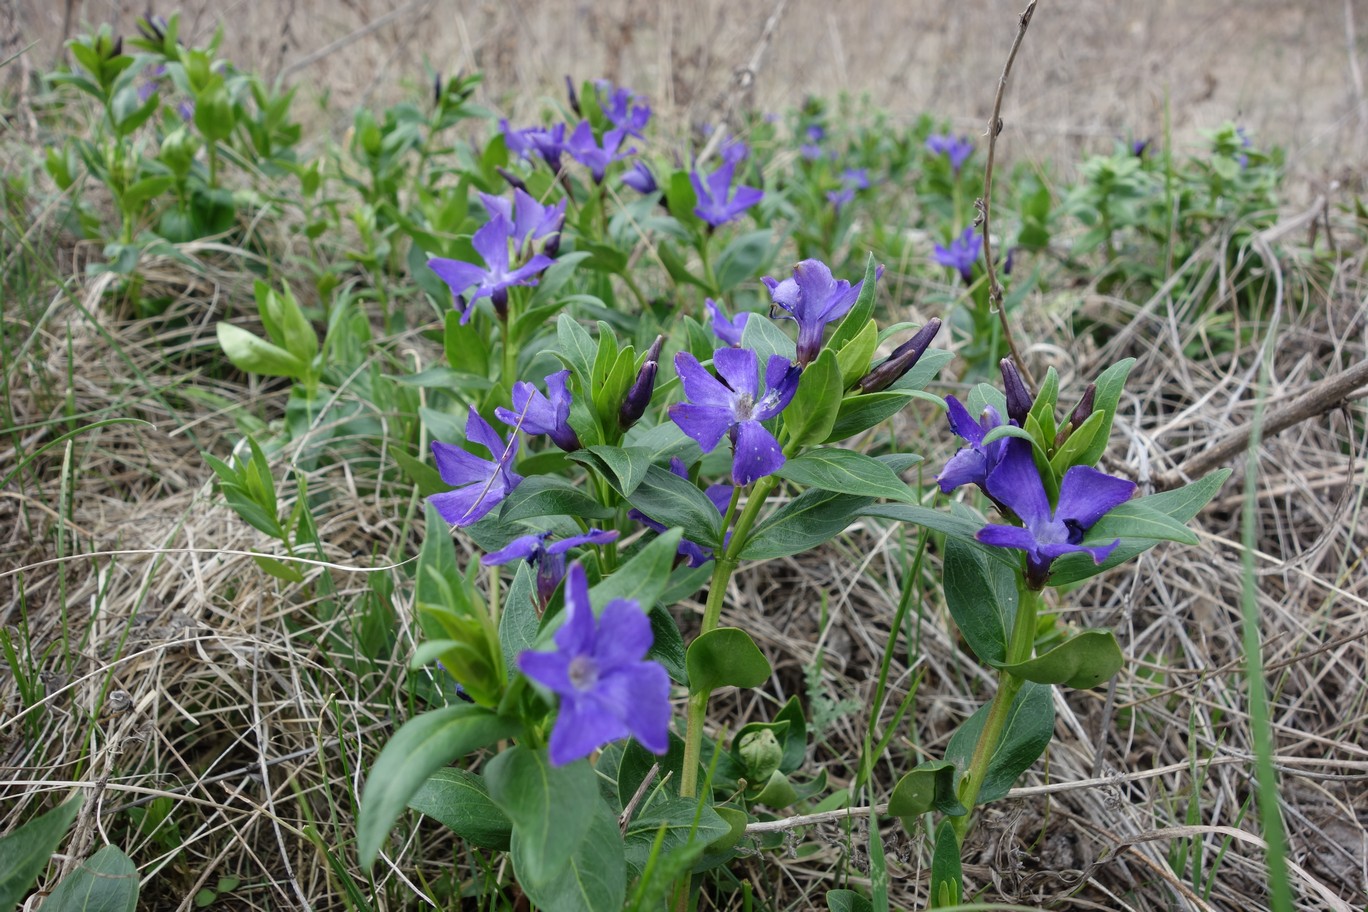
(508, 359)
(708, 275)
(1019, 650)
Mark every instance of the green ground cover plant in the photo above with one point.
(597, 513)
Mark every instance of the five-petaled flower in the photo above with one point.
(534, 413)
(596, 156)
(1085, 496)
(548, 142)
(726, 329)
(813, 298)
(531, 221)
(606, 687)
(548, 560)
(955, 148)
(973, 463)
(621, 110)
(492, 243)
(733, 403)
(962, 253)
(717, 203)
(481, 484)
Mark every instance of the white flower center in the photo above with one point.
(583, 672)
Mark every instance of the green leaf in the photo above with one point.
(861, 412)
(1083, 661)
(667, 644)
(577, 348)
(147, 188)
(279, 569)
(1137, 519)
(594, 877)
(744, 258)
(926, 787)
(105, 882)
(804, 522)
(846, 472)
(682, 200)
(812, 412)
(642, 578)
(682, 819)
(459, 800)
(419, 748)
(766, 339)
(1080, 438)
(255, 355)
(550, 495)
(947, 875)
(624, 467)
(1030, 725)
(1110, 384)
(855, 319)
(436, 561)
(675, 266)
(24, 853)
(725, 656)
(551, 808)
(519, 621)
(847, 901)
(674, 501)
(855, 355)
(467, 349)
(981, 594)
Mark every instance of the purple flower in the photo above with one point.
(735, 405)
(548, 143)
(1246, 142)
(734, 151)
(626, 116)
(956, 148)
(719, 494)
(1085, 496)
(186, 109)
(531, 220)
(480, 484)
(607, 690)
(1019, 400)
(491, 242)
(856, 178)
(813, 298)
(639, 394)
(962, 253)
(973, 463)
(727, 330)
(534, 413)
(548, 560)
(640, 178)
(812, 149)
(1138, 147)
(586, 150)
(839, 198)
(717, 203)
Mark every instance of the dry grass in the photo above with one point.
(178, 677)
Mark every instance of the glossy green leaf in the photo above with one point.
(853, 323)
(624, 467)
(725, 656)
(667, 643)
(859, 413)
(593, 877)
(812, 413)
(683, 820)
(745, 257)
(459, 800)
(577, 348)
(1030, 725)
(682, 200)
(674, 501)
(765, 338)
(420, 747)
(847, 901)
(24, 853)
(981, 594)
(1085, 660)
(642, 578)
(1080, 439)
(253, 354)
(926, 787)
(518, 618)
(855, 356)
(1137, 519)
(551, 808)
(804, 522)
(947, 874)
(1110, 384)
(105, 882)
(846, 472)
(550, 495)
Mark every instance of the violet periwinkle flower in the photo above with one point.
(812, 149)
(962, 253)
(549, 143)
(624, 114)
(491, 242)
(856, 178)
(839, 198)
(1246, 142)
(955, 148)
(718, 201)
(813, 298)
(534, 413)
(186, 109)
(152, 78)
(734, 151)
(531, 220)
(1019, 401)
(547, 560)
(902, 360)
(607, 690)
(1085, 496)
(973, 463)
(1138, 147)
(586, 150)
(733, 404)
(640, 178)
(720, 494)
(639, 395)
(481, 484)
(727, 330)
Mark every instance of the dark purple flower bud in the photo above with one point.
(574, 99)
(639, 396)
(513, 180)
(1008, 262)
(1019, 401)
(903, 359)
(1138, 147)
(1080, 414)
(118, 47)
(153, 28)
(499, 298)
(437, 89)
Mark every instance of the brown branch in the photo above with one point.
(985, 204)
(1323, 396)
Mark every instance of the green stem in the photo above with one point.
(1019, 650)
(508, 359)
(708, 275)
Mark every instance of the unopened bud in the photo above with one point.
(639, 396)
(574, 99)
(437, 89)
(903, 359)
(513, 180)
(1085, 406)
(499, 298)
(1019, 401)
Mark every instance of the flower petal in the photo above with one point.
(458, 275)
(624, 635)
(466, 505)
(704, 423)
(739, 369)
(968, 466)
(524, 547)
(701, 387)
(457, 467)
(584, 723)
(757, 453)
(1085, 494)
(576, 636)
(549, 669)
(1000, 536)
(1016, 482)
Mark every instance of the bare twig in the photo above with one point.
(985, 204)
(744, 80)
